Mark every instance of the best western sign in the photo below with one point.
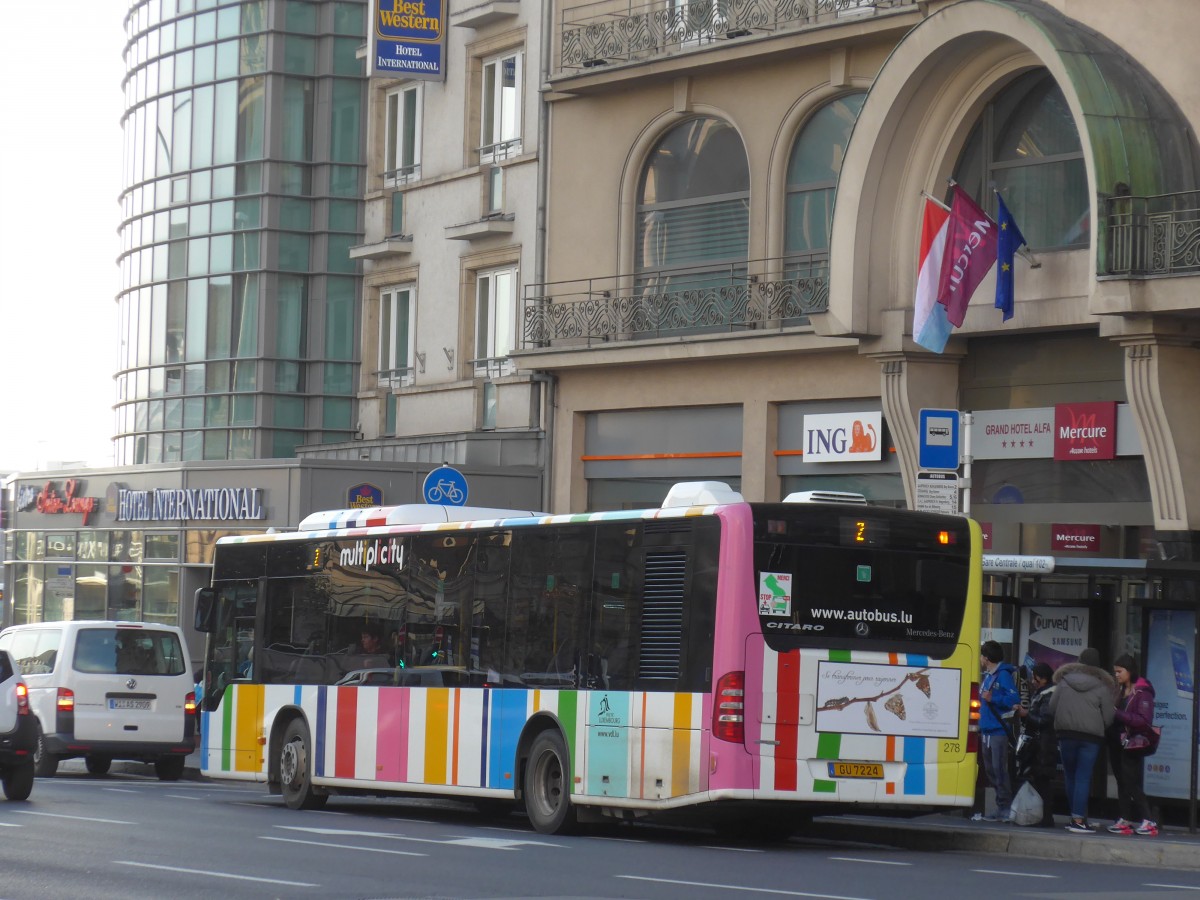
(408, 39)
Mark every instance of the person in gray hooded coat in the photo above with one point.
(1083, 708)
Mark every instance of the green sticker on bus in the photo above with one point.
(864, 573)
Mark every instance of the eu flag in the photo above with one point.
(1008, 240)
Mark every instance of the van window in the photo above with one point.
(120, 651)
(35, 650)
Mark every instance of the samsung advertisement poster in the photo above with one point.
(1170, 644)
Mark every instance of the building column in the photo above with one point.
(909, 383)
(760, 440)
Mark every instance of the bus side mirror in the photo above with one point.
(205, 604)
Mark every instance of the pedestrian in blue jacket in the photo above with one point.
(998, 693)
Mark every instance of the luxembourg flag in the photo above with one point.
(931, 328)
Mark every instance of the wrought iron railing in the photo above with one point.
(1157, 235)
(756, 294)
(615, 31)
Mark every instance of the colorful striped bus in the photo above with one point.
(744, 658)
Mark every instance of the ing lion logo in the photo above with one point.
(860, 441)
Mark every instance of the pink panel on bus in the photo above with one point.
(391, 748)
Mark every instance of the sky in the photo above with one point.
(60, 179)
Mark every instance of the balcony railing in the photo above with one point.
(396, 378)
(612, 31)
(1154, 235)
(752, 295)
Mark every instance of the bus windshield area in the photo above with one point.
(861, 579)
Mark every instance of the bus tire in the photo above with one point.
(295, 769)
(547, 785)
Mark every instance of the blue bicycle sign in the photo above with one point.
(445, 486)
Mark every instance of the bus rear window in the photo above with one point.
(860, 581)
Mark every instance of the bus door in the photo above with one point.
(233, 700)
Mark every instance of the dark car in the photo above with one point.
(18, 732)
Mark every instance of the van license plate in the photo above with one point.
(119, 703)
(855, 770)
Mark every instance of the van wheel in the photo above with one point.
(44, 764)
(97, 765)
(547, 785)
(18, 781)
(169, 768)
(295, 769)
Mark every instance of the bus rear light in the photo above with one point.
(729, 707)
(22, 699)
(973, 719)
(189, 703)
(66, 700)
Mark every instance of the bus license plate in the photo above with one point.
(855, 770)
(119, 703)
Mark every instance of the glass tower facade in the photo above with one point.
(244, 168)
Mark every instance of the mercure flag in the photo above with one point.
(931, 329)
(970, 253)
(1009, 239)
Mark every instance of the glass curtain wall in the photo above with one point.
(243, 177)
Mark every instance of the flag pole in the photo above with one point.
(930, 197)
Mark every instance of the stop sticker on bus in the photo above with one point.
(775, 593)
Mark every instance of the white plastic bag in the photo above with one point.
(1027, 805)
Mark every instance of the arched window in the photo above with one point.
(812, 176)
(1025, 145)
(694, 201)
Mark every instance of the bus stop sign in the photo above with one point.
(939, 440)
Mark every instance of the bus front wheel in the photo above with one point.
(548, 786)
(295, 774)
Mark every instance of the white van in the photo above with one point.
(105, 691)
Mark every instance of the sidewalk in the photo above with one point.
(1174, 848)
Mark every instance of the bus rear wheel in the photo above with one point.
(547, 786)
(295, 773)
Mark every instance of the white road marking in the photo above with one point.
(412, 821)
(1014, 874)
(600, 837)
(481, 842)
(184, 797)
(126, 862)
(1174, 887)
(29, 812)
(332, 846)
(738, 887)
(9, 825)
(874, 862)
(731, 849)
(121, 790)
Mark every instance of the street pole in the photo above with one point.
(967, 419)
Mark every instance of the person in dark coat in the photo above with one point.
(1134, 721)
(1083, 709)
(1037, 759)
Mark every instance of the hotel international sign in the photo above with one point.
(408, 39)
